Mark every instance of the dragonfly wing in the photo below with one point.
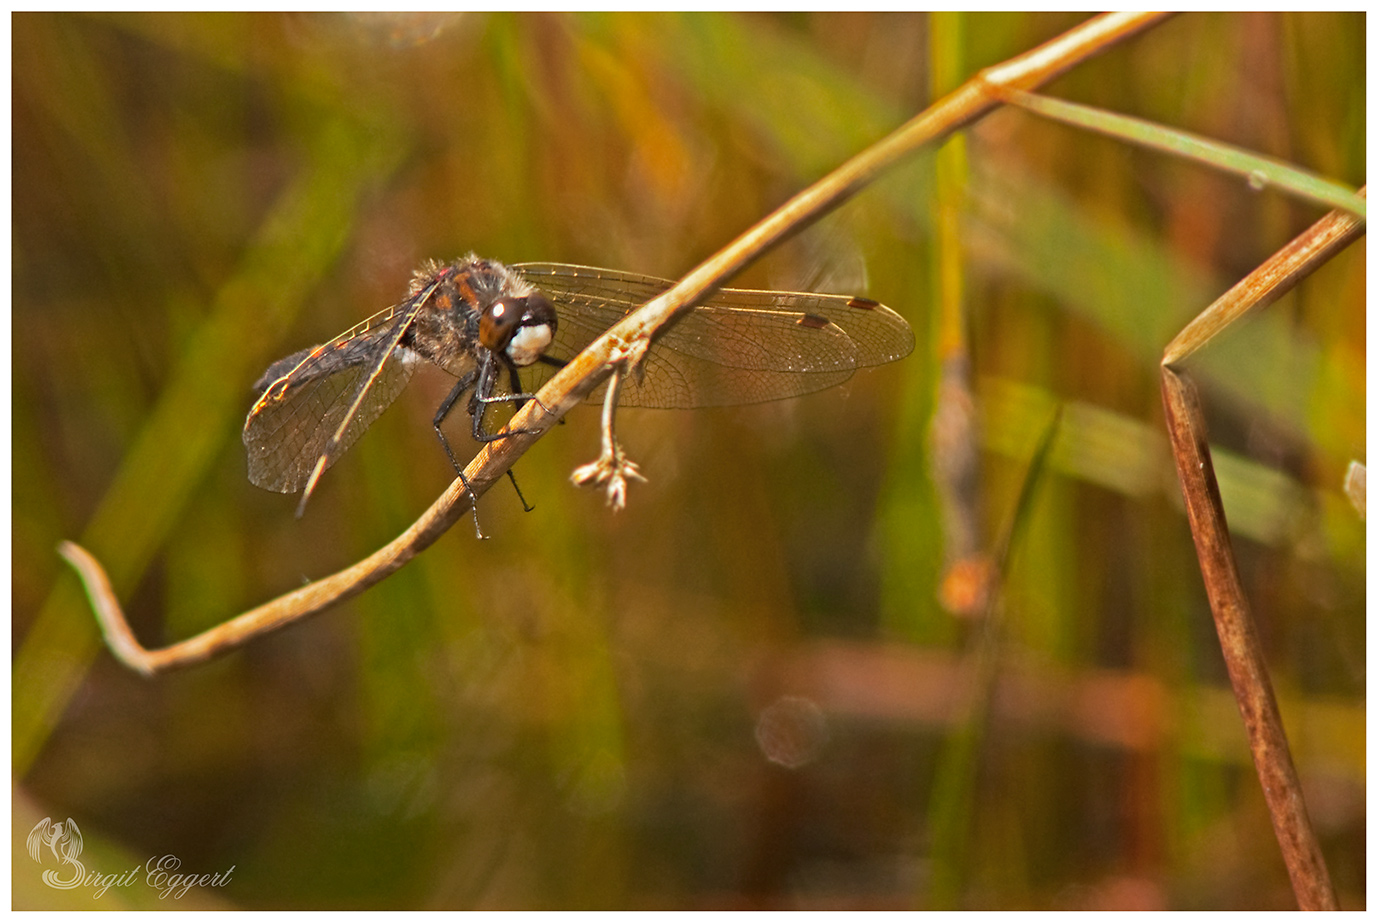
(740, 347)
(301, 415)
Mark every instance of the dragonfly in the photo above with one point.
(483, 322)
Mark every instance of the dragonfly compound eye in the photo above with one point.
(497, 324)
(534, 331)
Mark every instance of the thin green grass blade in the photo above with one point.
(1259, 171)
(953, 801)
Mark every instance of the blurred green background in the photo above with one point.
(742, 691)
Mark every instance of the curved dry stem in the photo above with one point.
(587, 370)
(1239, 641)
(290, 607)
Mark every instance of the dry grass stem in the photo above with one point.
(586, 371)
(1270, 281)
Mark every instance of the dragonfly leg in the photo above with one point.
(441, 413)
(483, 396)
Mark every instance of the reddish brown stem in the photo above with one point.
(1239, 644)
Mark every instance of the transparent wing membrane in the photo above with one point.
(740, 347)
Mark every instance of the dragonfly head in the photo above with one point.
(519, 327)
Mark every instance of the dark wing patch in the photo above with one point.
(310, 393)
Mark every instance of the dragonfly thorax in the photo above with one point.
(462, 309)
